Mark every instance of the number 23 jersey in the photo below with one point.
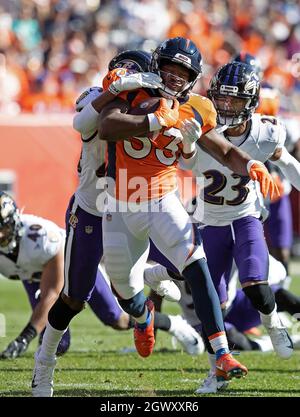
(226, 196)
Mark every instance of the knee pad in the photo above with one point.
(134, 306)
(261, 297)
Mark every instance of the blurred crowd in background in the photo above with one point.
(51, 50)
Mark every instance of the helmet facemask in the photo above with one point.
(232, 111)
(234, 91)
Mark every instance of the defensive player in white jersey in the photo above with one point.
(31, 250)
(278, 227)
(230, 205)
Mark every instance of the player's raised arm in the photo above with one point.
(92, 101)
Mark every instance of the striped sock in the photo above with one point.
(218, 342)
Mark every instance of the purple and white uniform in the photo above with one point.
(230, 207)
(84, 249)
(41, 240)
(241, 313)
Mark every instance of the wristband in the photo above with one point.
(251, 162)
(112, 89)
(153, 122)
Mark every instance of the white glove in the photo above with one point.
(134, 81)
(87, 97)
(191, 132)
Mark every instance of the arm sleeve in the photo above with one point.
(85, 122)
(290, 167)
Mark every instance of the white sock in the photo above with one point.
(218, 341)
(174, 325)
(212, 362)
(155, 273)
(50, 343)
(270, 320)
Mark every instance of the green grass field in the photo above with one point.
(96, 365)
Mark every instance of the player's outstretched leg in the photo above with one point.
(59, 318)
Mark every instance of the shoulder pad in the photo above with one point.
(45, 236)
(274, 130)
(204, 111)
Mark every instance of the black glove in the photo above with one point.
(15, 349)
(19, 346)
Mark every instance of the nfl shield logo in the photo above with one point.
(108, 217)
(88, 229)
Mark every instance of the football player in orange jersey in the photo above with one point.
(145, 204)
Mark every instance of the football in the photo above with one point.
(148, 106)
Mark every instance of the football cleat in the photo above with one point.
(167, 288)
(281, 341)
(211, 385)
(227, 368)
(42, 381)
(186, 335)
(144, 338)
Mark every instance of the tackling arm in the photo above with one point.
(114, 124)
(85, 122)
(224, 152)
(289, 166)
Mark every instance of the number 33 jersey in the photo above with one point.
(225, 196)
(144, 168)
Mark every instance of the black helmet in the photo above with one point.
(179, 51)
(236, 80)
(250, 60)
(10, 223)
(136, 60)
